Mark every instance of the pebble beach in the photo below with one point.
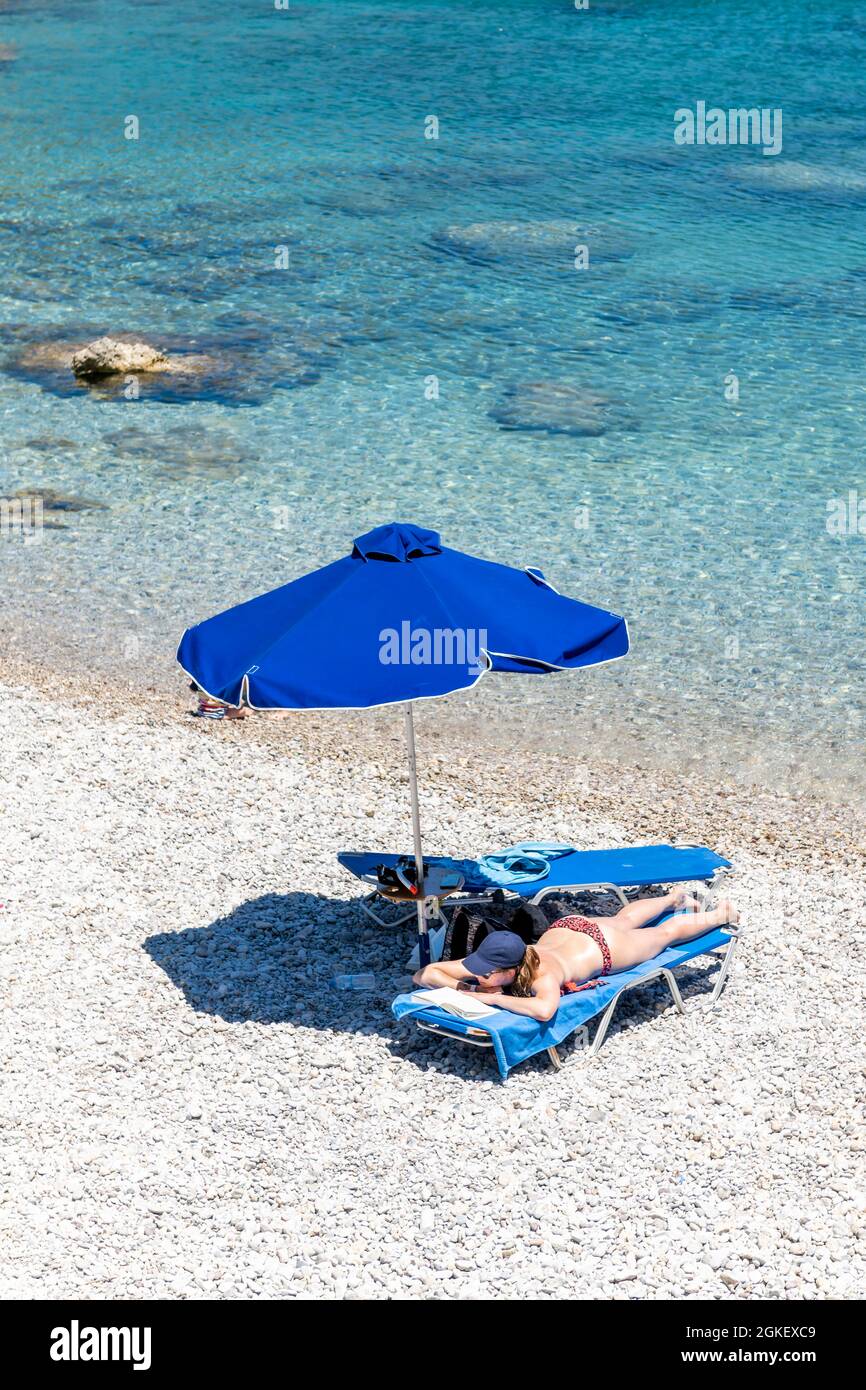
(193, 1111)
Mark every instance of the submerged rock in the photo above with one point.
(652, 155)
(843, 298)
(183, 453)
(553, 241)
(761, 298)
(229, 372)
(424, 183)
(55, 504)
(798, 177)
(682, 303)
(51, 356)
(8, 53)
(54, 501)
(47, 444)
(33, 291)
(557, 408)
(358, 202)
(108, 356)
(104, 364)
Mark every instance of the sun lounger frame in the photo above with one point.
(662, 972)
(436, 910)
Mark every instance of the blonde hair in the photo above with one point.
(526, 973)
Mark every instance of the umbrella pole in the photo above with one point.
(423, 937)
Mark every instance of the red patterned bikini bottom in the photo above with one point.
(586, 928)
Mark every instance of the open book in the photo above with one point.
(455, 1001)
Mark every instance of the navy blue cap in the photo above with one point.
(500, 950)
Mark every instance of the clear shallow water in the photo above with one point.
(706, 518)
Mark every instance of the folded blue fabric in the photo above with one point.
(523, 863)
(516, 1037)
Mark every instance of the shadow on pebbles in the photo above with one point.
(554, 407)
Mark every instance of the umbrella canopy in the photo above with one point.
(402, 617)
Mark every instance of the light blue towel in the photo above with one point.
(516, 1037)
(523, 863)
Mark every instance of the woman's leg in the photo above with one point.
(637, 914)
(628, 947)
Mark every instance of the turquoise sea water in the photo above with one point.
(701, 518)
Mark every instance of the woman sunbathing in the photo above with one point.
(572, 952)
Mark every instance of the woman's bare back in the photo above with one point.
(570, 955)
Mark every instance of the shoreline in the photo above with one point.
(783, 825)
(718, 745)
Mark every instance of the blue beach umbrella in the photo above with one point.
(401, 618)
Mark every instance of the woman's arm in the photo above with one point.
(542, 1006)
(443, 972)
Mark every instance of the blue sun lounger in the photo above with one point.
(514, 1038)
(613, 870)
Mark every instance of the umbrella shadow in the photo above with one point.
(273, 960)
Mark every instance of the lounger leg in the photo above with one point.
(604, 1025)
(555, 1058)
(675, 991)
(365, 907)
(606, 1017)
(380, 921)
(723, 973)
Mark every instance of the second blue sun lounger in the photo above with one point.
(634, 866)
(514, 1037)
